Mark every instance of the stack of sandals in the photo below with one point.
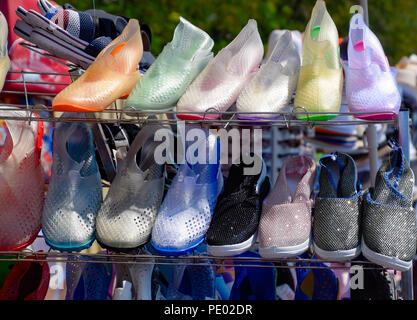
(74, 35)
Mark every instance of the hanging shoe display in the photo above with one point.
(165, 195)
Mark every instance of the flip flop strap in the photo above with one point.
(78, 24)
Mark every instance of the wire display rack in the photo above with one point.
(227, 118)
(201, 259)
(117, 113)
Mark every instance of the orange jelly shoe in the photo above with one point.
(112, 74)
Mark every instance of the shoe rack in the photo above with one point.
(115, 114)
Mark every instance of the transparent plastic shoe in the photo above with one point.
(4, 58)
(74, 194)
(273, 85)
(87, 280)
(126, 218)
(370, 85)
(320, 81)
(124, 289)
(134, 280)
(218, 86)
(124, 292)
(275, 35)
(171, 73)
(21, 180)
(186, 212)
(112, 75)
(141, 275)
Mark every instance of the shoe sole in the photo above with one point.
(176, 252)
(316, 117)
(127, 250)
(257, 119)
(133, 112)
(376, 117)
(69, 248)
(22, 246)
(338, 255)
(385, 261)
(198, 117)
(232, 249)
(285, 252)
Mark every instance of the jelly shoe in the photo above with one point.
(389, 223)
(172, 72)
(275, 35)
(233, 229)
(286, 222)
(87, 280)
(185, 215)
(126, 218)
(273, 85)
(337, 211)
(370, 85)
(21, 181)
(27, 280)
(74, 194)
(320, 81)
(4, 58)
(141, 276)
(218, 86)
(112, 74)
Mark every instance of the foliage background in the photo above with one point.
(393, 21)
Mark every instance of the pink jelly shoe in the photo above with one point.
(21, 180)
(285, 226)
(218, 86)
(370, 86)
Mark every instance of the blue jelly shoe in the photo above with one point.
(199, 282)
(87, 281)
(185, 214)
(74, 194)
(254, 283)
(319, 283)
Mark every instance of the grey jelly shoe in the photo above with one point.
(74, 193)
(337, 212)
(127, 216)
(389, 220)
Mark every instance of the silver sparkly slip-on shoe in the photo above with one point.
(389, 220)
(337, 212)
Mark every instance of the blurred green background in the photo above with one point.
(393, 21)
